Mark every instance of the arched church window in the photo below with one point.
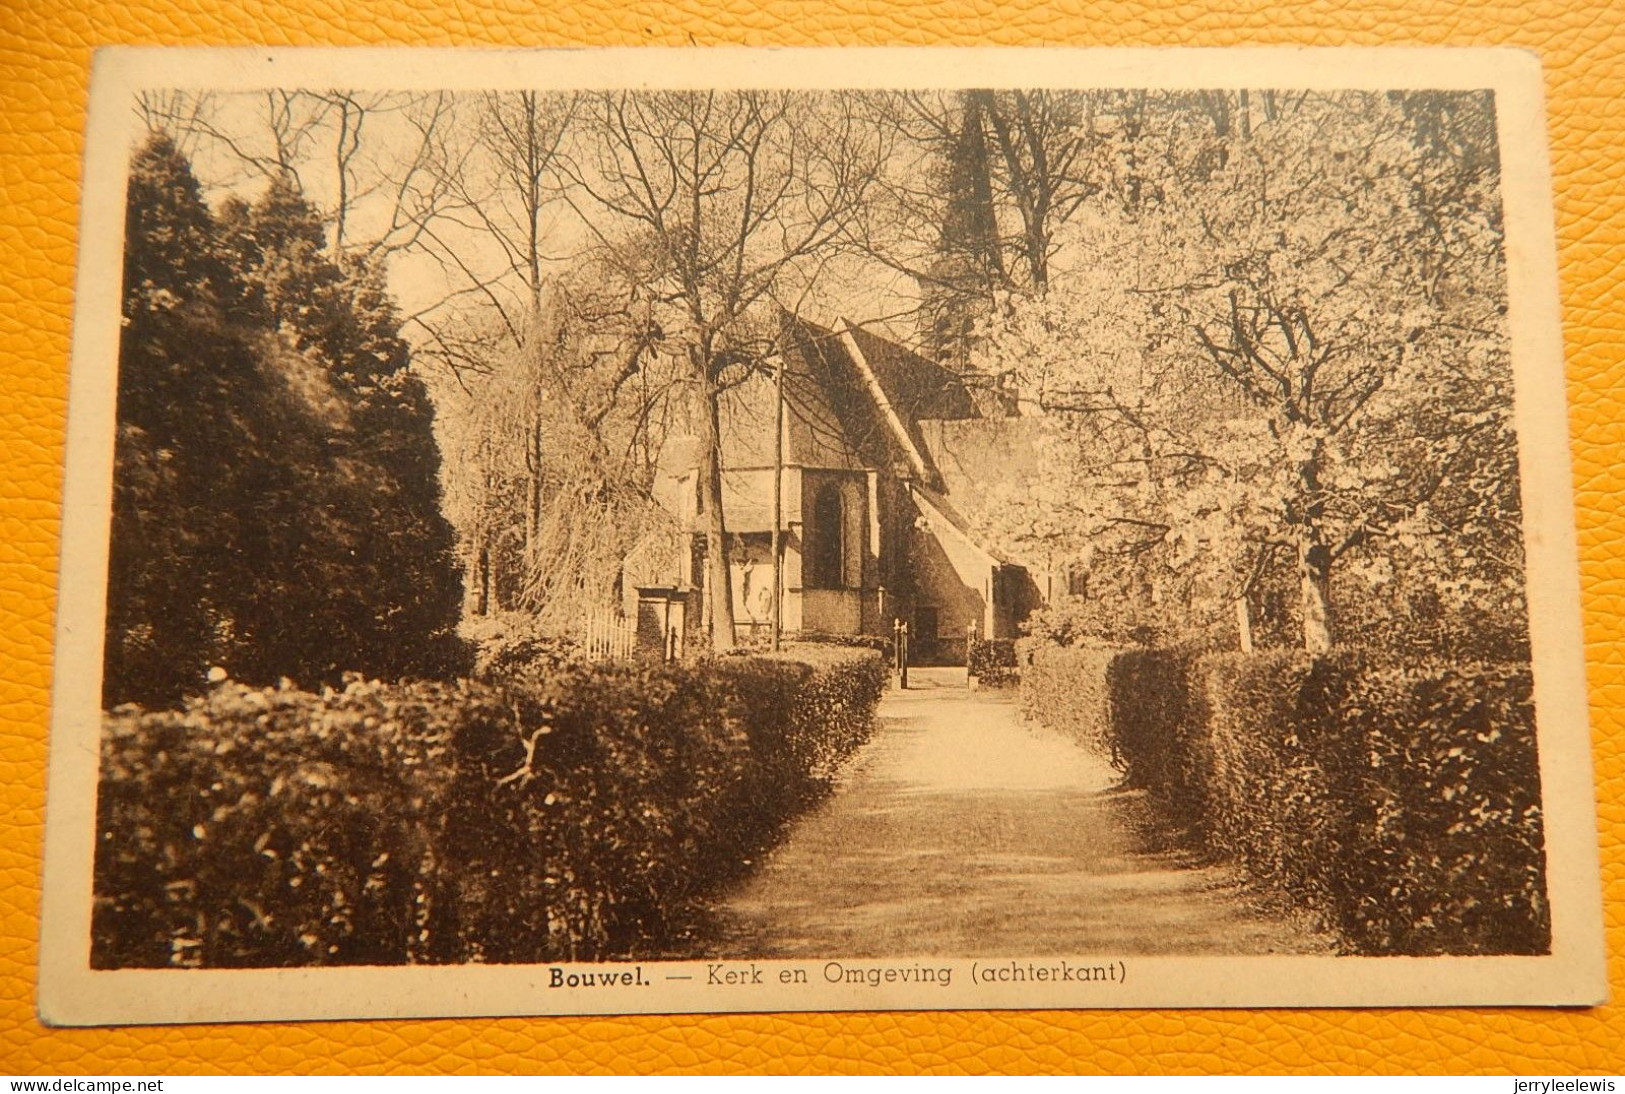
(826, 539)
(852, 525)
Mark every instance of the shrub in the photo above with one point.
(992, 661)
(510, 643)
(1402, 804)
(1398, 804)
(1158, 724)
(569, 814)
(505, 654)
(1121, 616)
(561, 832)
(1066, 689)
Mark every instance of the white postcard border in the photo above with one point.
(1575, 971)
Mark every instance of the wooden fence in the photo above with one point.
(609, 636)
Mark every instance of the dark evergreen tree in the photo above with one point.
(397, 572)
(187, 392)
(277, 484)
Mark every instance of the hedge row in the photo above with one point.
(881, 644)
(1158, 728)
(565, 814)
(1403, 802)
(833, 711)
(992, 661)
(1065, 688)
(1400, 805)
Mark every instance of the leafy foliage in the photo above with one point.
(563, 813)
(273, 827)
(1159, 729)
(992, 661)
(1399, 805)
(880, 643)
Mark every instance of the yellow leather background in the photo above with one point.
(45, 48)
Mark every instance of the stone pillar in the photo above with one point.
(662, 612)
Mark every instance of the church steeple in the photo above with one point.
(957, 288)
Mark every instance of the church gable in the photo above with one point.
(888, 474)
(919, 389)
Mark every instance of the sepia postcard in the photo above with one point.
(671, 531)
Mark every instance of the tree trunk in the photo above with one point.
(533, 488)
(719, 581)
(1314, 560)
(482, 578)
(1314, 572)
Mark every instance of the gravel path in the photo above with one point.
(960, 830)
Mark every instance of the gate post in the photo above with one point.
(660, 614)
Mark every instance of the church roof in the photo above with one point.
(877, 389)
(918, 388)
(823, 427)
(853, 400)
(944, 517)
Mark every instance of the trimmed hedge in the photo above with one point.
(1065, 688)
(271, 827)
(1158, 728)
(1280, 772)
(835, 709)
(1399, 805)
(1403, 803)
(992, 661)
(569, 814)
(881, 644)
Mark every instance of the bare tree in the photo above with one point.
(181, 114)
(1043, 148)
(547, 525)
(334, 137)
(361, 175)
(714, 204)
(978, 183)
(558, 466)
(490, 238)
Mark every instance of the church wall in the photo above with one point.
(837, 579)
(952, 588)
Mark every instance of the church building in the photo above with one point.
(880, 448)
